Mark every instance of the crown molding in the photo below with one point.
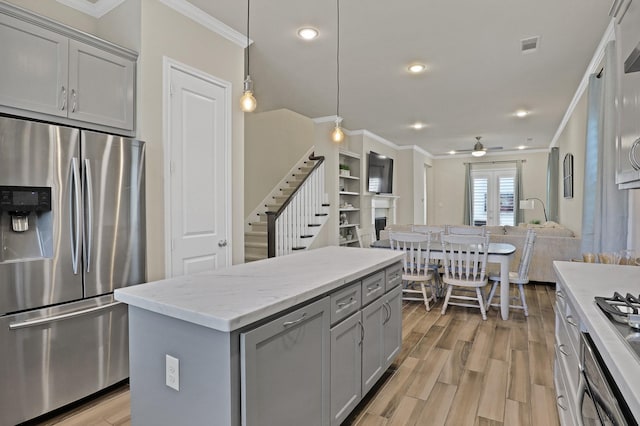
(102, 7)
(417, 149)
(492, 154)
(96, 10)
(201, 17)
(596, 60)
(326, 119)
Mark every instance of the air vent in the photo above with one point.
(529, 45)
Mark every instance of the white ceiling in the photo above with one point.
(476, 79)
(477, 76)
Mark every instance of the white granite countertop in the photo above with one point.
(584, 281)
(231, 298)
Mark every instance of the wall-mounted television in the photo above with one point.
(380, 173)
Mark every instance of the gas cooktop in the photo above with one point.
(624, 314)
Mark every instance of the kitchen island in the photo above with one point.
(298, 339)
(576, 312)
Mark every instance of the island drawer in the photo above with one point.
(394, 276)
(373, 287)
(345, 302)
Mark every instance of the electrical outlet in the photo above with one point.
(172, 374)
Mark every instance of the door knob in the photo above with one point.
(222, 243)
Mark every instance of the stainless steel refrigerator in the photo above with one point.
(72, 230)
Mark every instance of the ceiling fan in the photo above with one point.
(478, 149)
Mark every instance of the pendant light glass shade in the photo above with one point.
(337, 134)
(248, 102)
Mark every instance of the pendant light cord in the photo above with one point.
(247, 49)
(338, 61)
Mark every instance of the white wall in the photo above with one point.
(573, 140)
(274, 142)
(447, 198)
(165, 32)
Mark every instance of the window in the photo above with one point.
(493, 197)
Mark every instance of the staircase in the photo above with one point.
(293, 213)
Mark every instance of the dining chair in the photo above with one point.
(466, 230)
(435, 264)
(365, 239)
(520, 277)
(465, 268)
(415, 266)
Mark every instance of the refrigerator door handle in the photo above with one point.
(69, 315)
(89, 213)
(75, 214)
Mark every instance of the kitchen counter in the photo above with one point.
(584, 281)
(231, 344)
(231, 298)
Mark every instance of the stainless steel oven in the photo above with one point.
(600, 401)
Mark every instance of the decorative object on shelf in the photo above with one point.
(248, 102)
(345, 170)
(337, 134)
(343, 219)
(528, 204)
(567, 168)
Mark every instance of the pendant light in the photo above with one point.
(337, 134)
(248, 102)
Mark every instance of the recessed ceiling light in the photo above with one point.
(307, 33)
(521, 147)
(452, 152)
(418, 125)
(521, 113)
(417, 68)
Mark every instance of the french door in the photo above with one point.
(493, 197)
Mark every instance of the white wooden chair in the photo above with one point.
(435, 265)
(415, 266)
(465, 266)
(365, 239)
(520, 277)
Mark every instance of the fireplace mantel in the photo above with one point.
(383, 205)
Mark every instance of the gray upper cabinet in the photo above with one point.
(34, 67)
(101, 86)
(52, 72)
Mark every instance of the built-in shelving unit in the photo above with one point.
(349, 197)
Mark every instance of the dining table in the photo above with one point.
(500, 253)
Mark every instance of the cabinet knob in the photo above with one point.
(222, 243)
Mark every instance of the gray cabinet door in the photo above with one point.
(393, 325)
(285, 369)
(33, 67)
(101, 86)
(373, 318)
(346, 364)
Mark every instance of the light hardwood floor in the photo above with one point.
(454, 369)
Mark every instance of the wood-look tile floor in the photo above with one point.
(454, 369)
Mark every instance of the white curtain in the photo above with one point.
(605, 207)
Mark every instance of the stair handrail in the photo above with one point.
(273, 216)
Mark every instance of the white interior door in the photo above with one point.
(198, 148)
